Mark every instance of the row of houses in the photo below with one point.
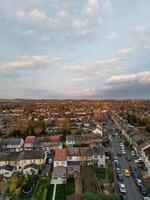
(67, 162)
(26, 161)
(29, 144)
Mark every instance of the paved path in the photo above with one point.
(54, 192)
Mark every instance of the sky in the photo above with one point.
(74, 49)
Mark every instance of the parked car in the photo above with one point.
(143, 190)
(122, 188)
(146, 198)
(123, 152)
(124, 197)
(138, 181)
(119, 153)
(118, 171)
(120, 177)
(133, 153)
(128, 158)
(134, 174)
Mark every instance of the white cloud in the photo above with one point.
(80, 24)
(140, 29)
(27, 63)
(45, 39)
(112, 36)
(126, 51)
(78, 79)
(98, 68)
(28, 32)
(139, 78)
(37, 15)
(83, 92)
(92, 7)
(107, 8)
(34, 15)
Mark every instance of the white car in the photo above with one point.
(122, 188)
(123, 152)
(138, 181)
(146, 198)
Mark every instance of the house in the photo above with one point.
(87, 139)
(60, 165)
(60, 173)
(29, 143)
(72, 168)
(145, 154)
(28, 157)
(20, 159)
(12, 145)
(73, 161)
(98, 131)
(7, 171)
(60, 157)
(50, 142)
(98, 157)
(31, 169)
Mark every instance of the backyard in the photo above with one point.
(60, 192)
(89, 180)
(70, 186)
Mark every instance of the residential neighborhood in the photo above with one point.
(73, 155)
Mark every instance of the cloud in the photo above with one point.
(98, 68)
(45, 39)
(78, 79)
(140, 29)
(142, 78)
(125, 51)
(80, 24)
(86, 92)
(28, 32)
(34, 15)
(27, 63)
(112, 36)
(126, 86)
(107, 8)
(92, 7)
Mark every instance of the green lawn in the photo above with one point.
(61, 192)
(50, 192)
(70, 186)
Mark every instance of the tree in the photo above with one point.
(12, 187)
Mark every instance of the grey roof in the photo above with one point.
(26, 155)
(7, 167)
(32, 165)
(12, 141)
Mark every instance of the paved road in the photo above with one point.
(133, 192)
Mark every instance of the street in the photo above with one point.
(133, 192)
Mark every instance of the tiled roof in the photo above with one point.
(60, 154)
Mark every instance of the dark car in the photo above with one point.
(128, 158)
(134, 174)
(143, 190)
(124, 197)
(119, 153)
(120, 177)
